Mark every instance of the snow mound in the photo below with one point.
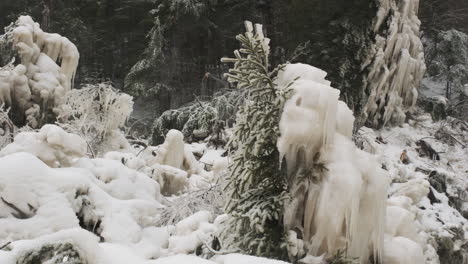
(51, 144)
(48, 200)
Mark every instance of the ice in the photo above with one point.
(174, 153)
(316, 128)
(397, 65)
(46, 71)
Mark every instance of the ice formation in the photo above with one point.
(396, 63)
(174, 153)
(339, 191)
(37, 84)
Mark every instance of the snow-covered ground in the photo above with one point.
(109, 208)
(428, 189)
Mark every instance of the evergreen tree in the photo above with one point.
(144, 78)
(256, 184)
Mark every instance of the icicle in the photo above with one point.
(344, 204)
(330, 102)
(402, 55)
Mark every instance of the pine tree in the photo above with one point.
(144, 77)
(256, 184)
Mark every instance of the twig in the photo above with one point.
(6, 245)
(457, 140)
(21, 214)
(224, 252)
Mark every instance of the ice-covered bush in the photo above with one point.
(395, 64)
(6, 128)
(96, 112)
(46, 70)
(6, 44)
(331, 200)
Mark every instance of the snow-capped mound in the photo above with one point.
(51, 144)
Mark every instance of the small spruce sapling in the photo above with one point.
(256, 185)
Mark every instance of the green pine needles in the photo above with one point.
(256, 184)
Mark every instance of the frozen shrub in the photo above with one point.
(96, 112)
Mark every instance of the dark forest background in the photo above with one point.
(183, 40)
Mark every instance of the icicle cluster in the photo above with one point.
(36, 84)
(397, 64)
(338, 191)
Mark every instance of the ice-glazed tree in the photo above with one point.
(256, 184)
(330, 202)
(46, 70)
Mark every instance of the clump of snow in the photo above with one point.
(326, 171)
(51, 144)
(105, 195)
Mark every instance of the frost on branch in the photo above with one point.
(96, 112)
(338, 192)
(396, 65)
(256, 185)
(46, 71)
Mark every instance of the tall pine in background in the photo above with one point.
(256, 184)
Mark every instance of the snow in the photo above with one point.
(118, 199)
(51, 144)
(62, 194)
(401, 250)
(414, 219)
(244, 259)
